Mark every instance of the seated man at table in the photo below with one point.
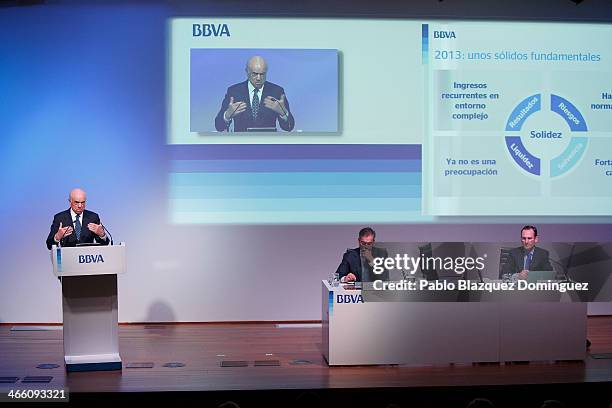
(357, 263)
(527, 257)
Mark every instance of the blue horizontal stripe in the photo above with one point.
(376, 166)
(295, 151)
(295, 204)
(325, 179)
(302, 191)
(298, 217)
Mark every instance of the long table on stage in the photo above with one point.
(417, 332)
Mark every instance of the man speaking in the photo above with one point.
(76, 225)
(254, 104)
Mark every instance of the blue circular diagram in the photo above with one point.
(572, 153)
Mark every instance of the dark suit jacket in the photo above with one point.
(351, 263)
(516, 259)
(86, 235)
(265, 117)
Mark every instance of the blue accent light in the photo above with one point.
(58, 253)
(425, 44)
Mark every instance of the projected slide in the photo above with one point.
(520, 119)
(219, 76)
(341, 84)
(338, 141)
(388, 121)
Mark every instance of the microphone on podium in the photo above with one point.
(108, 232)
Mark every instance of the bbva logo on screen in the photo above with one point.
(444, 34)
(90, 258)
(210, 30)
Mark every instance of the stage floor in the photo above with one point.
(203, 347)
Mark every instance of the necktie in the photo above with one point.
(528, 260)
(255, 103)
(77, 226)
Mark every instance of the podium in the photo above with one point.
(89, 303)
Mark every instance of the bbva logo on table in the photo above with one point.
(349, 299)
(90, 258)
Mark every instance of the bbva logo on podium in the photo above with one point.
(90, 258)
(210, 30)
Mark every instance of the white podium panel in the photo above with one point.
(90, 307)
(88, 260)
(419, 333)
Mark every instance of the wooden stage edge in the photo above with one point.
(233, 322)
(283, 366)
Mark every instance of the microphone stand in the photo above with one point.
(109, 234)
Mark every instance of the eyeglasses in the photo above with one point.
(364, 243)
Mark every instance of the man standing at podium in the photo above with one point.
(76, 225)
(255, 103)
(357, 264)
(527, 257)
